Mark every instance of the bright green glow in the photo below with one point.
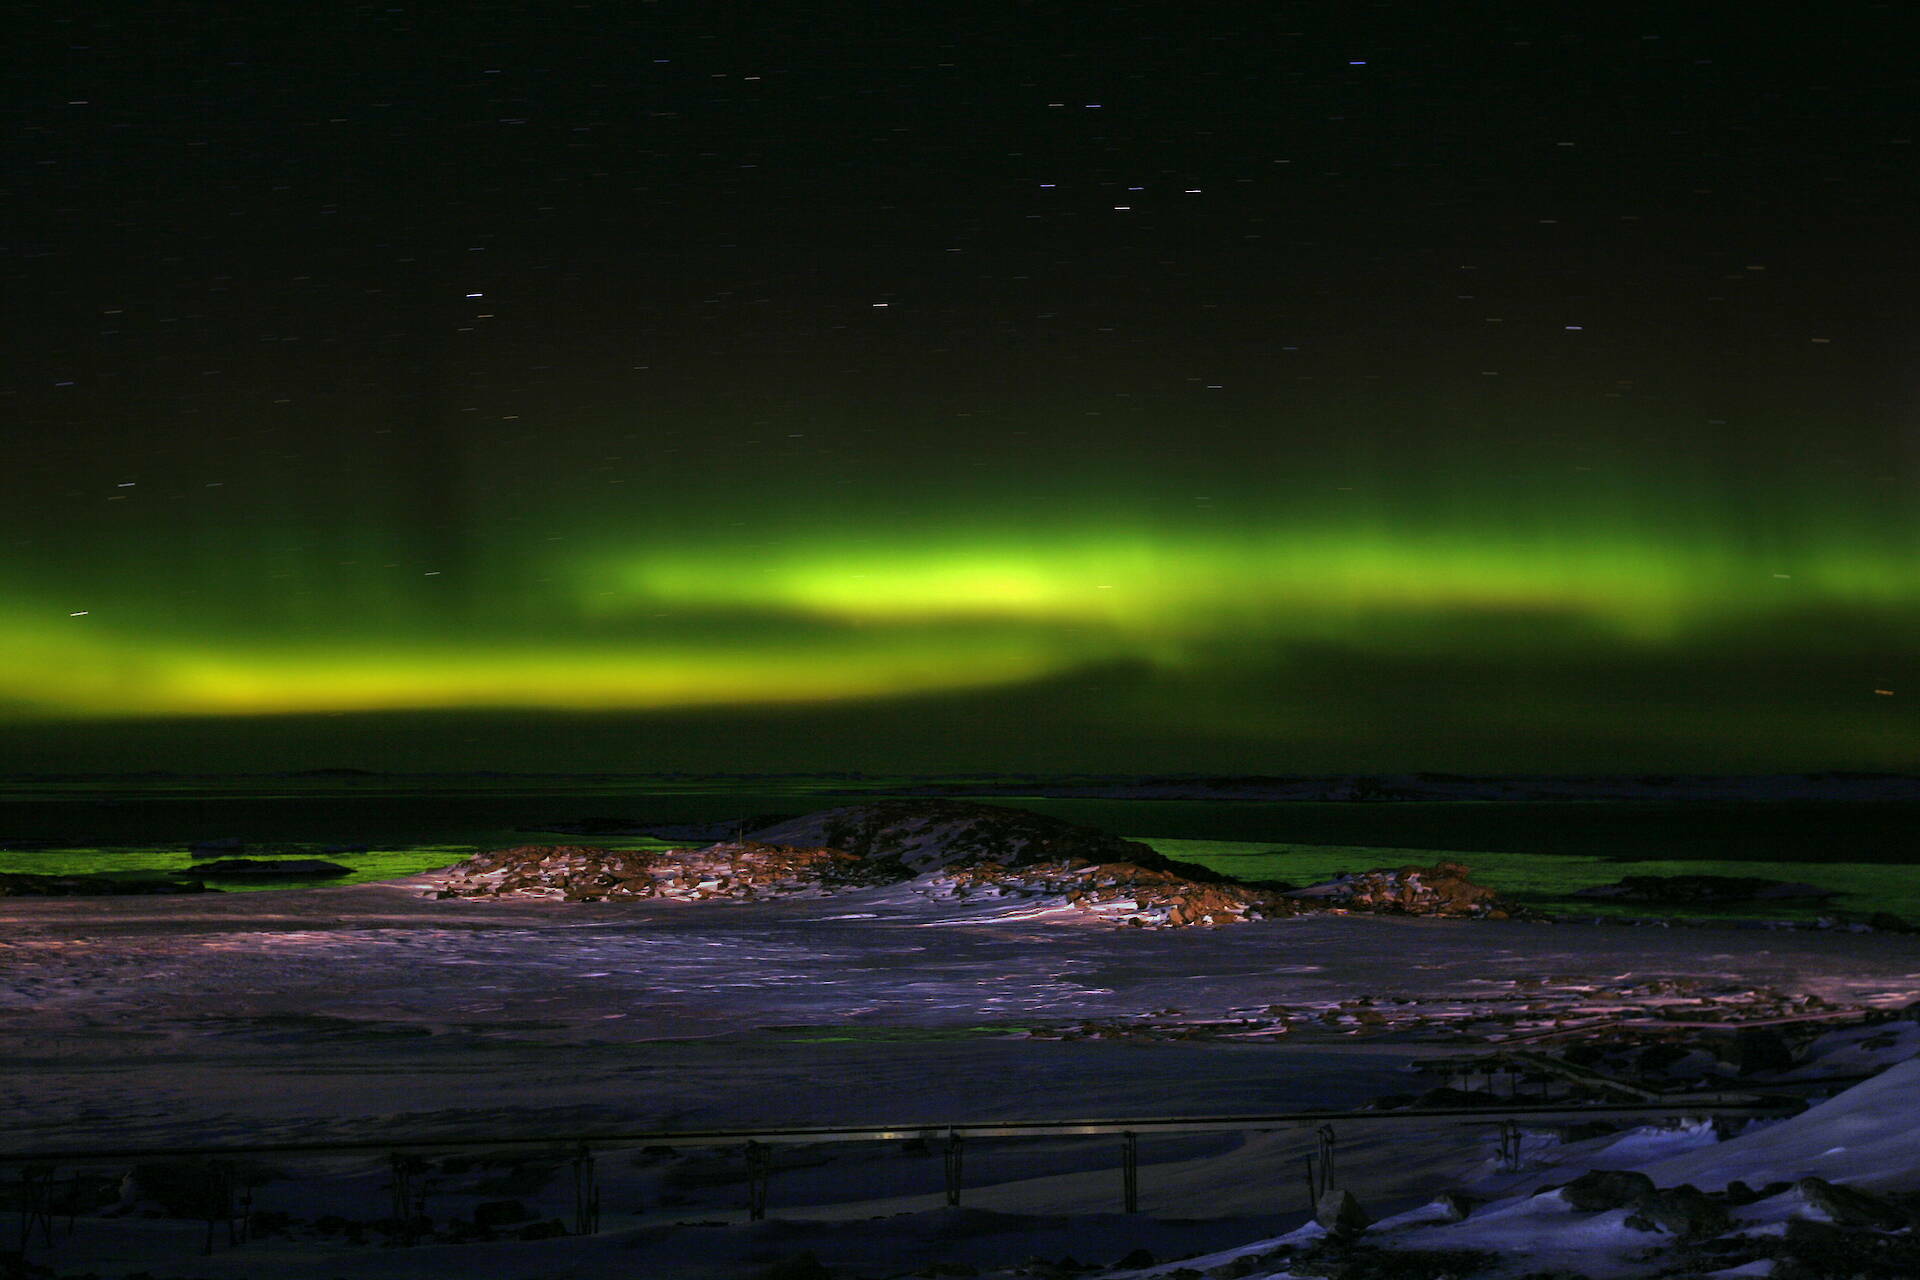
(109, 675)
(836, 618)
(1283, 582)
(1279, 607)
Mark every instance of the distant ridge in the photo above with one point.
(1432, 787)
(1380, 788)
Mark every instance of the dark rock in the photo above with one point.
(20, 884)
(1684, 1211)
(1457, 1205)
(1851, 1207)
(1340, 1214)
(551, 1229)
(1607, 1189)
(1705, 890)
(301, 868)
(500, 1213)
(1138, 1260)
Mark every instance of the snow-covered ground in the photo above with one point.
(1862, 1139)
(371, 1013)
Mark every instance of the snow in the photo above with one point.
(370, 1013)
(1862, 1137)
(1853, 1138)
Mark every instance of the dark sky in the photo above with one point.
(1228, 388)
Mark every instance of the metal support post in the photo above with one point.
(1130, 1171)
(1510, 1145)
(36, 1204)
(409, 1195)
(759, 1173)
(953, 1167)
(216, 1201)
(586, 1195)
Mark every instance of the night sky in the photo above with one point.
(1230, 388)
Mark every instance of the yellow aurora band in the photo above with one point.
(835, 617)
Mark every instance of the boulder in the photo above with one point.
(1340, 1213)
(1456, 1206)
(301, 868)
(1851, 1207)
(1601, 1189)
(1705, 890)
(1685, 1211)
(20, 884)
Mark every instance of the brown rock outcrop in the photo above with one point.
(737, 870)
(1124, 892)
(952, 851)
(1439, 890)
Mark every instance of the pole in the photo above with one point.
(759, 1174)
(953, 1168)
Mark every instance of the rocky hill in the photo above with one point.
(950, 850)
(928, 834)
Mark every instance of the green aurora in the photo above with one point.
(1546, 616)
(1281, 389)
